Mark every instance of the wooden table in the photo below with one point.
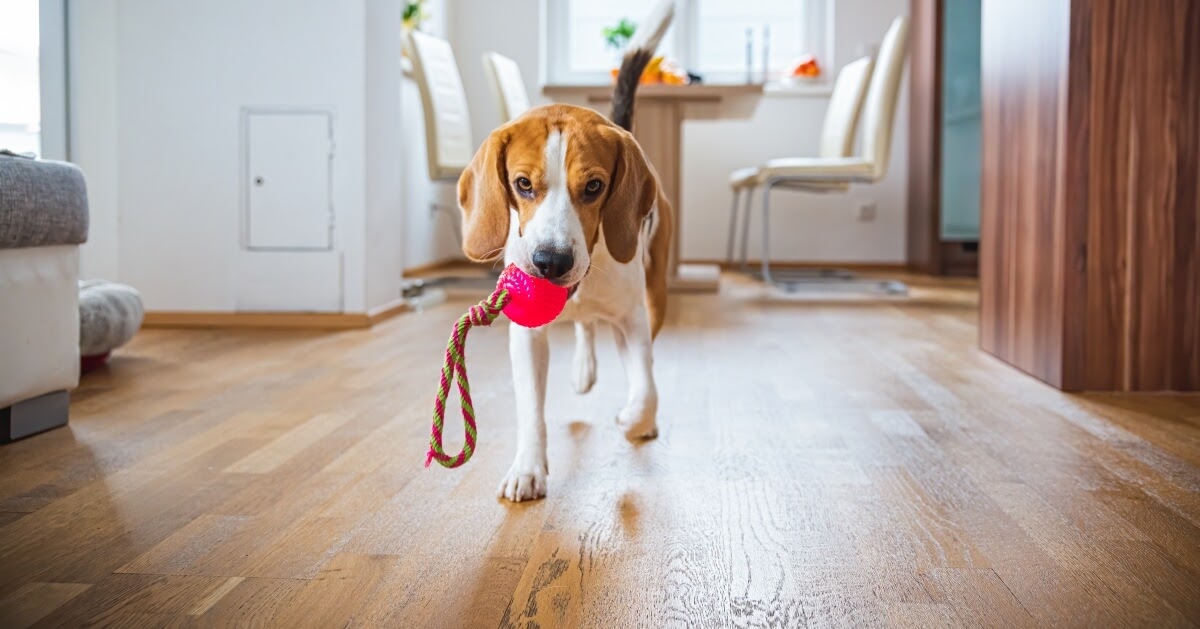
(658, 127)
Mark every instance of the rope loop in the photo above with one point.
(455, 366)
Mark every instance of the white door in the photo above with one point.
(288, 179)
(289, 261)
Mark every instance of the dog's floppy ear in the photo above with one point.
(484, 200)
(630, 199)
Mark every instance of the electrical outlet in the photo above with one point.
(867, 211)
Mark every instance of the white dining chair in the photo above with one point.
(835, 169)
(837, 137)
(448, 144)
(508, 86)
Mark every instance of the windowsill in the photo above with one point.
(790, 89)
(696, 92)
(819, 88)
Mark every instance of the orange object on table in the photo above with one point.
(806, 67)
(659, 72)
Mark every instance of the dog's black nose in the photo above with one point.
(553, 264)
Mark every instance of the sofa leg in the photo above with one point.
(34, 415)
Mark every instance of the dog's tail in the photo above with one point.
(637, 57)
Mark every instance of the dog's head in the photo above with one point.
(566, 174)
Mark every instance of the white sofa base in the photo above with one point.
(39, 322)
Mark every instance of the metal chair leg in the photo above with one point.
(733, 212)
(746, 227)
(766, 248)
(791, 280)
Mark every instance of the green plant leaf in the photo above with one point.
(618, 36)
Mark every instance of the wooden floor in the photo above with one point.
(842, 461)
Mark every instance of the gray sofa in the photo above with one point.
(43, 220)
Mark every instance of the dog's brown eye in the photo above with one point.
(593, 187)
(524, 184)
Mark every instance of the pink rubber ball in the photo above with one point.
(533, 302)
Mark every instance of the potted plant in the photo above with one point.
(659, 70)
(411, 19)
(616, 38)
(414, 15)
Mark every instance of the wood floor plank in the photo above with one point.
(8, 517)
(252, 602)
(1170, 581)
(979, 597)
(823, 460)
(33, 601)
(215, 596)
(350, 579)
(137, 600)
(922, 615)
(1163, 527)
(277, 452)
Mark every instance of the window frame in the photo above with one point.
(55, 137)
(555, 45)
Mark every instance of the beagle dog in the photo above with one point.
(568, 196)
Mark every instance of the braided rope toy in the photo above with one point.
(527, 301)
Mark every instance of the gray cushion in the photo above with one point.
(42, 203)
(109, 315)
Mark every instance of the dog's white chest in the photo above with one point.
(610, 290)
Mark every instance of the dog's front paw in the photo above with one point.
(638, 421)
(526, 480)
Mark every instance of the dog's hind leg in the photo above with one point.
(584, 375)
(634, 342)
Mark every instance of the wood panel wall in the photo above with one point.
(1024, 64)
(1090, 258)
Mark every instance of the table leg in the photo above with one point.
(658, 127)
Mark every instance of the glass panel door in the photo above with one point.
(962, 141)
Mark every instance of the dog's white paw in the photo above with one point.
(526, 480)
(584, 376)
(639, 421)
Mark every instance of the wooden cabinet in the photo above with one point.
(1090, 251)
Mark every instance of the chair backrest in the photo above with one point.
(879, 113)
(507, 84)
(448, 144)
(845, 105)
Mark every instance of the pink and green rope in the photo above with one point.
(481, 314)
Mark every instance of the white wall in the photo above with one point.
(92, 71)
(384, 154)
(185, 71)
(156, 90)
(511, 28)
(156, 98)
(730, 136)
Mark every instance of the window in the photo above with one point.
(708, 37)
(20, 100)
(587, 51)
